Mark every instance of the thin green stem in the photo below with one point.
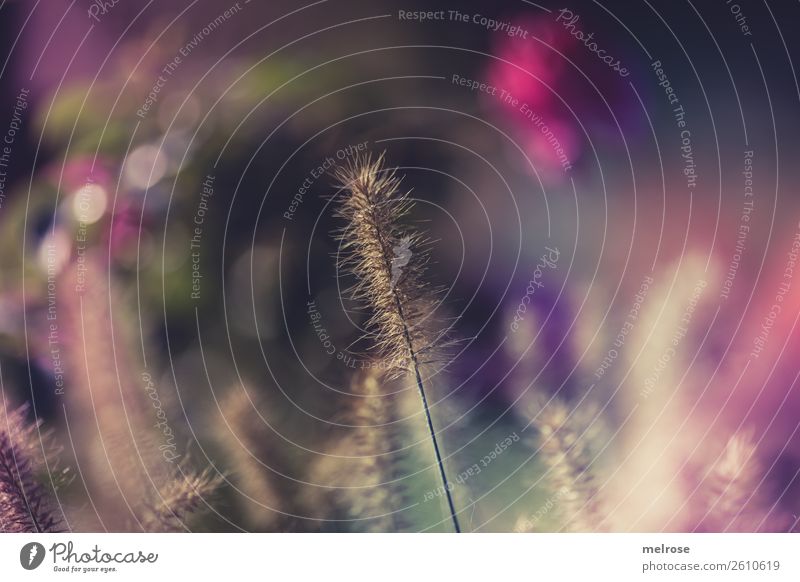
(429, 419)
(410, 344)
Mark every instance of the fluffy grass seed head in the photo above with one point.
(564, 441)
(387, 260)
(179, 499)
(731, 493)
(359, 488)
(25, 503)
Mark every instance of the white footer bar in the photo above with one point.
(356, 557)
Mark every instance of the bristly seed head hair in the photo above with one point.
(25, 503)
(565, 449)
(360, 489)
(732, 492)
(179, 499)
(387, 259)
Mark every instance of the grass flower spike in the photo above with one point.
(387, 259)
(565, 450)
(25, 503)
(359, 489)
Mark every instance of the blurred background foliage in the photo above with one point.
(246, 384)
